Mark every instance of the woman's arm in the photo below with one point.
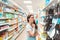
(31, 33)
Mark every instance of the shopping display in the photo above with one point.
(9, 21)
(43, 23)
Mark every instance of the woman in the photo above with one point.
(30, 28)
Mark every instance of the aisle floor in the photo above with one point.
(22, 36)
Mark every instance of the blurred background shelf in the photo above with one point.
(4, 29)
(11, 17)
(15, 36)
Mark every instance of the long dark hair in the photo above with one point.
(28, 17)
(33, 21)
(35, 25)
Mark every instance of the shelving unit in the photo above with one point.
(4, 29)
(9, 37)
(15, 36)
(52, 3)
(55, 6)
(44, 36)
(11, 18)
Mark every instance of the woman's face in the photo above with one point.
(31, 19)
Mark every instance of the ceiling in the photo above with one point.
(31, 6)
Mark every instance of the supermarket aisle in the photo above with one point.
(22, 36)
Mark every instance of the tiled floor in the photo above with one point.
(22, 36)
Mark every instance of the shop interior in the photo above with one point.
(13, 18)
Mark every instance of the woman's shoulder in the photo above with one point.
(28, 25)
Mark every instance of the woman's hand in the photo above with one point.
(36, 33)
(33, 25)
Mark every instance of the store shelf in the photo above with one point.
(4, 29)
(8, 23)
(10, 18)
(12, 29)
(1, 24)
(3, 18)
(3, 3)
(9, 37)
(15, 36)
(12, 23)
(11, 12)
(51, 4)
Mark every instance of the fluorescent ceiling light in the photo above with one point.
(28, 2)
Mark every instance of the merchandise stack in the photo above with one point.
(10, 22)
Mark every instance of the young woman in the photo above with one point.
(30, 28)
